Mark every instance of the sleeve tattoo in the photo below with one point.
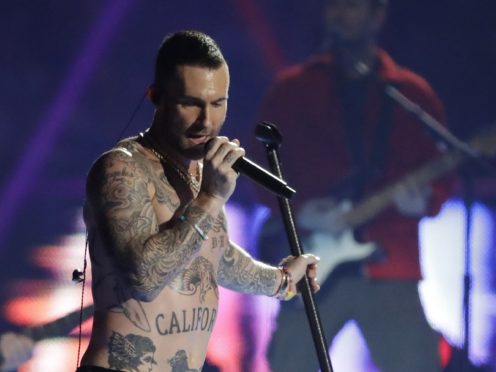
(240, 272)
(118, 193)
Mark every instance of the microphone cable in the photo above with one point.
(133, 115)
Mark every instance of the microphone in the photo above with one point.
(263, 177)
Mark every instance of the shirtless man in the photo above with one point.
(158, 236)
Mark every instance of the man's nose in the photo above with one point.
(205, 116)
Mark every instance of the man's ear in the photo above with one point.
(153, 94)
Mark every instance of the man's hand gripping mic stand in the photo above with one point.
(271, 138)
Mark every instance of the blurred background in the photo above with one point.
(73, 73)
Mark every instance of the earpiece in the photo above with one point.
(153, 94)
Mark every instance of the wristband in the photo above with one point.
(203, 234)
(283, 293)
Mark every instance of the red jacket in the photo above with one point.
(304, 104)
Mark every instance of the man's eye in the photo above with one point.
(187, 103)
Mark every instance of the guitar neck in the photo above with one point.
(370, 207)
(59, 327)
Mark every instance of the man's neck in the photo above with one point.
(164, 148)
(356, 61)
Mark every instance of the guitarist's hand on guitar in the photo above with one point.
(323, 214)
(412, 200)
(15, 349)
(298, 267)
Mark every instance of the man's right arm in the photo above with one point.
(119, 194)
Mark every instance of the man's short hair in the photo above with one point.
(191, 48)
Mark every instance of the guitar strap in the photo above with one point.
(365, 167)
(382, 140)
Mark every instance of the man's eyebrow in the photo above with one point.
(200, 100)
(190, 99)
(221, 99)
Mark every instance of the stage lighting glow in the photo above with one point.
(443, 262)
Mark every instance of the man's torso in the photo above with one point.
(174, 328)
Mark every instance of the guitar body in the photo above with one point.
(338, 249)
(330, 237)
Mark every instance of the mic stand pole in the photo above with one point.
(451, 140)
(270, 136)
(435, 126)
(468, 201)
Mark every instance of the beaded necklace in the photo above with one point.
(190, 179)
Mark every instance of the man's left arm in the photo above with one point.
(241, 272)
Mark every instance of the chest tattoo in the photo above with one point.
(198, 277)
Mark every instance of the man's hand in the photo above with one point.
(219, 178)
(323, 214)
(298, 267)
(413, 200)
(15, 349)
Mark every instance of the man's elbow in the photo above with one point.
(142, 293)
(141, 289)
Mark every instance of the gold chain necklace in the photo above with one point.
(190, 179)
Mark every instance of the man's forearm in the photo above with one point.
(166, 253)
(240, 272)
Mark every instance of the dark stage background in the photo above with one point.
(73, 72)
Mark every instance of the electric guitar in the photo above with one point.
(338, 247)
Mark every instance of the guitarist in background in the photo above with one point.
(343, 137)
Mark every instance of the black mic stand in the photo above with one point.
(470, 153)
(468, 194)
(269, 135)
(468, 202)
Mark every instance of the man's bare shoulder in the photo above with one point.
(130, 165)
(127, 158)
